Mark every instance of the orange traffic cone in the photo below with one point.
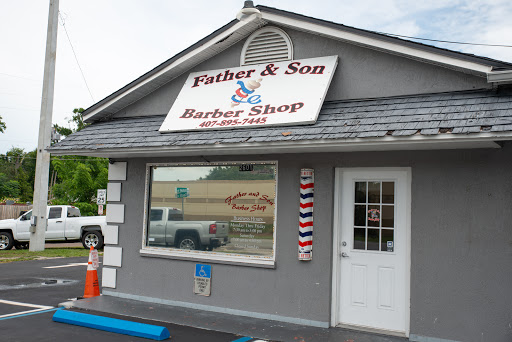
(92, 288)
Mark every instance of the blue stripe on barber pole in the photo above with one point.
(307, 187)
(305, 234)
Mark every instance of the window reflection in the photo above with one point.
(221, 208)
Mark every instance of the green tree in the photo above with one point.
(3, 127)
(77, 122)
(260, 172)
(18, 168)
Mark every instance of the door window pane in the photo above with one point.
(359, 238)
(360, 192)
(388, 216)
(373, 215)
(360, 215)
(373, 192)
(388, 192)
(373, 239)
(387, 244)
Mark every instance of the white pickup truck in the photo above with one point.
(64, 224)
(167, 228)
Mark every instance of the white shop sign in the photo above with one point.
(280, 93)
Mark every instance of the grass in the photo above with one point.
(25, 254)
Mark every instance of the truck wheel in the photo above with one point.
(92, 238)
(188, 242)
(6, 241)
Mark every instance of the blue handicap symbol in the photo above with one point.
(204, 271)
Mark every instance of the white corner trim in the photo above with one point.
(176, 64)
(115, 213)
(111, 234)
(108, 277)
(117, 171)
(378, 44)
(114, 192)
(112, 256)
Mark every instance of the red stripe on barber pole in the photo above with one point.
(306, 205)
(305, 243)
(307, 186)
(306, 224)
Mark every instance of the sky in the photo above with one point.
(117, 41)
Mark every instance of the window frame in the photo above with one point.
(206, 256)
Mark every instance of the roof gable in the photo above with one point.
(237, 30)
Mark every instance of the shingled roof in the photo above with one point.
(463, 113)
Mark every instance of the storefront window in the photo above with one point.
(224, 211)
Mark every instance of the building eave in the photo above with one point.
(388, 143)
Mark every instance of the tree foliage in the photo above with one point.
(76, 121)
(260, 172)
(2, 125)
(73, 179)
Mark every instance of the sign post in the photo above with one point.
(182, 193)
(202, 280)
(101, 200)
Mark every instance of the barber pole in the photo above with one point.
(307, 187)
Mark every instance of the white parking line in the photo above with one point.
(25, 304)
(68, 265)
(37, 308)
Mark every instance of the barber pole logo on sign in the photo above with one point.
(307, 187)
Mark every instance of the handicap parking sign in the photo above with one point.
(203, 271)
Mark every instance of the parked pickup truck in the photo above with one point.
(64, 224)
(167, 228)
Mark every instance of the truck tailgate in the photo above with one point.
(222, 229)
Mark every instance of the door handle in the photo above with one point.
(59, 221)
(344, 255)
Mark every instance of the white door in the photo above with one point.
(56, 224)
(373, 250)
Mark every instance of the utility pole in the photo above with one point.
(37, 232)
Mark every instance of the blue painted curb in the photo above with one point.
(112, 324)
(243, 339)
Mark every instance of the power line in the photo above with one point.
(76, 58)
(443, 41)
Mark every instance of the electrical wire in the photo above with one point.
(76, 58)
(442, 41)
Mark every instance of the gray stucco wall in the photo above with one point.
(461, 245)
(361, 73)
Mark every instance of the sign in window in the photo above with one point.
(374, 216)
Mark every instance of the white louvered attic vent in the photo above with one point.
(269, 44)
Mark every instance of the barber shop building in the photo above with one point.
(299, 170)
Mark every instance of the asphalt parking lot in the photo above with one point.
(30, 292)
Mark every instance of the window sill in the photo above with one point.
(211, 258)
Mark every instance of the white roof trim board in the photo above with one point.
(240, 30)
(185, 63)
(377, 44)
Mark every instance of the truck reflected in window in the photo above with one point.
(226, 209)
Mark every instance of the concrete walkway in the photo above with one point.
(245, 326)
